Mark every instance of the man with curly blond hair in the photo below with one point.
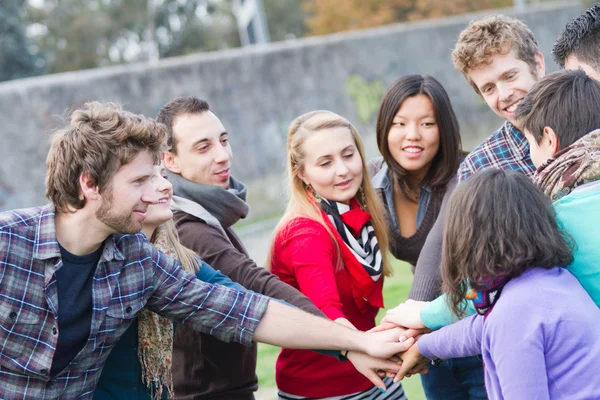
(74, 273)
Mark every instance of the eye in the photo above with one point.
(349, 155)
(428, 124)
(511, 75)
(487, 89)
(397, 123)
(225, 140)
(324, 163)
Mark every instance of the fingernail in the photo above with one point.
(402, 338)
(382, 390)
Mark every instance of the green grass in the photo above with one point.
(395, 291)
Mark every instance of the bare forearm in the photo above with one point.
(288, 327)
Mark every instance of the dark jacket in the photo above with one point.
(204, 367)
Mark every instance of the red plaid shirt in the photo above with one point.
(131, 274)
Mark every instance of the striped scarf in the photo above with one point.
(354, 226)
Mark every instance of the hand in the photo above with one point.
(412, 362)
(408, 333)
(373, 368)
(407, 314)
(385, 344)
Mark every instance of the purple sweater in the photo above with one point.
(541, 340)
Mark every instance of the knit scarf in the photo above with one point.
(571, 167)
(213, 204)
(155, 337)
(485, 299)
(357, 235)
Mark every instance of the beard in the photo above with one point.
(118, 220)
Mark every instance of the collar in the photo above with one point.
(46, 246)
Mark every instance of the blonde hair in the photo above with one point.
(302, 202)
(99, 139)
(189, 259)
(491, 35)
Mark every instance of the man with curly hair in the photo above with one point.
(578, 46)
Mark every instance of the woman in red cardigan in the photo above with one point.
(331, 245)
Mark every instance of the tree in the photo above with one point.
(17, 55)
(285, 19)
(93, 33)
(328, 16)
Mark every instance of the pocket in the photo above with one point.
(19, 329)
(119, 315)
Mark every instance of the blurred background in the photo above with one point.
(259, 63)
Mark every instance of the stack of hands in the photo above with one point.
(404, 320)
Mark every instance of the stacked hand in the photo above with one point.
(404, 319)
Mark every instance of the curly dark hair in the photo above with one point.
(580, 38)
(498, 223)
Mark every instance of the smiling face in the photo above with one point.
(160, 213)
(203, 151)
(332, 164)
(125, 200)
(505, 81)
(414, 137)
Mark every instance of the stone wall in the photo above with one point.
(257, 92)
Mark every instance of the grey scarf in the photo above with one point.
(212, 204)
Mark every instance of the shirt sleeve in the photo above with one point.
(214, 247)
(310, 255)
(228, 314)
(461, 339)
(427, 281)
(437, 314)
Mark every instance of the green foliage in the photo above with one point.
(395, 290)
(17, 58)
(87, 34)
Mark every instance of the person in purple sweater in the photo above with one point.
(537, 329)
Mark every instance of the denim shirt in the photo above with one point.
(383, 180)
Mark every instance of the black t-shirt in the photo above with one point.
(74, 281)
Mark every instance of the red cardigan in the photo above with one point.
(304, 256)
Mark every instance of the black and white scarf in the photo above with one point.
(354, 226)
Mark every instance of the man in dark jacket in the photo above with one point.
(207, 202)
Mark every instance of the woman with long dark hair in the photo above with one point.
(418, 136)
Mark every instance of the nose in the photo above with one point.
(222, 154)
(163, 185)
(341, 168)
(151, 194)
(505, 92)
(412, 132)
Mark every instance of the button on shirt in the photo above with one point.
(131, 274)
(506, 149)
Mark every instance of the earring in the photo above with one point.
(316, 195)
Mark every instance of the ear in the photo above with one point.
(551, 139)
(88, 188)
(303, 178)
(540, 64)
(169, 159)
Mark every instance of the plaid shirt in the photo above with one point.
(131, 274)
(507, 148)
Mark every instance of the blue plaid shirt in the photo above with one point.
(131, 274)
(506, 149)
